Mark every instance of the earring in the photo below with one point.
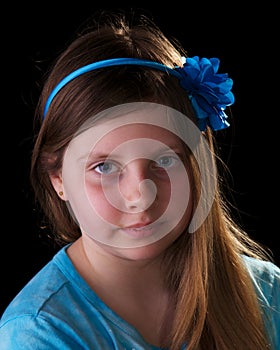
(60, 193)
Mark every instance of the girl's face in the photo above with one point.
(126, 183)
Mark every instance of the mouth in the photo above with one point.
(140, 230)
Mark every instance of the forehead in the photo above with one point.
(137, 131)
(123, 123)
(154, 124)
(136, 141)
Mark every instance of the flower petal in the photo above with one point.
(209, 91)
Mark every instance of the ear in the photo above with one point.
(57, 183)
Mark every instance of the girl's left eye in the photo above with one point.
(166, 161)
(105, 168)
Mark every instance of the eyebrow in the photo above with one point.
(102, 155)
(97, 156)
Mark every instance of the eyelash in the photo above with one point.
(102, 164)
(119, 168)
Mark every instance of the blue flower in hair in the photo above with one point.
(209, 91)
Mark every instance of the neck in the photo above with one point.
(100, 266)
(134, 289)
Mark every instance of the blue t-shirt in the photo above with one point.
(57, 310)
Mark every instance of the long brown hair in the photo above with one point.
(216, 304)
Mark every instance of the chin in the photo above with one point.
(147, 252)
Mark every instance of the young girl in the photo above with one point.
(125, 169)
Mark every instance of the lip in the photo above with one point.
(140, 230)
(139, 225)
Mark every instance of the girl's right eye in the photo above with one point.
(106, 168)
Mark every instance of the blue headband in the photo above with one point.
(209, 92)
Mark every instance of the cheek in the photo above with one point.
(180, 200)
(101, 203)
(164, 190)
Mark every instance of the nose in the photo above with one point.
(137, 187)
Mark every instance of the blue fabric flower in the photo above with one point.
(209, 91)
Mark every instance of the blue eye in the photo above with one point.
(166, 161)
(106, 168)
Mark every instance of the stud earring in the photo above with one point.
(60, 193)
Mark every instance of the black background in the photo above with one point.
(244, 40)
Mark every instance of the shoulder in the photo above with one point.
(263, 273)
(29, 331)
(44, 314)
(261, 267)
(39, 290)
(265, 276)
(25, 317)
(58, 310)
